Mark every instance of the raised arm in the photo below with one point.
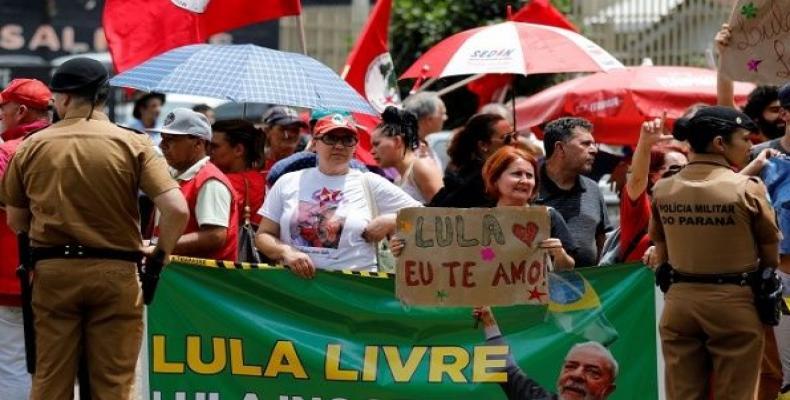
(518, 385)
(725, 88)
(651, 133)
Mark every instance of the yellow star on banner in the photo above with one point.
(405, 226)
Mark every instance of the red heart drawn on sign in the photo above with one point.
(526, 233)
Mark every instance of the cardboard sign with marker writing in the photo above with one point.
(759, 49)
(472, 257)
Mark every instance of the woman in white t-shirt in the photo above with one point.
(394, 142)
(321, 217)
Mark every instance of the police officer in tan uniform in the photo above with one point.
(73, 187)
(715, 231)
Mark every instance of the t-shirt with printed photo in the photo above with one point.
(324, 216)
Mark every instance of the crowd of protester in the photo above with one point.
(288, 189)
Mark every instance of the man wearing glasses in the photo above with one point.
(570, 152)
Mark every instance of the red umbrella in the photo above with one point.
(619, 101)
(512, 48)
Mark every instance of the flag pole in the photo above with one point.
(460, 83)
(302, 40)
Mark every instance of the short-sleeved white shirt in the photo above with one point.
(213, 203)
(324, 216)
(212, 206)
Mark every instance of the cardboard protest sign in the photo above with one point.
(472, 257)
(759, 49)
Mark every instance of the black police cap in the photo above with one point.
(697, 126)
(726, 115)
(80, 74)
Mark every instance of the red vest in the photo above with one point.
(254, 190)
(190, 189)
(9, 252)
(9, 283)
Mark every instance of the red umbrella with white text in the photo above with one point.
(618, 102)
(512, 48)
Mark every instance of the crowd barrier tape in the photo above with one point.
(224, 264)
(221, 330)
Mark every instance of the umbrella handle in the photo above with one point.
(513, 101)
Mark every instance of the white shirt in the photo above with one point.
(409, 185)
(324, 216)
(214, 199)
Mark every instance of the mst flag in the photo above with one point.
(369, 68)
(137, 30)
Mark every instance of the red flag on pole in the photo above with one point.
(137, 30)
(369, 68)
(535, 12)
(542, 12)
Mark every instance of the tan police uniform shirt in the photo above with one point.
(80, 179)
(711, 218)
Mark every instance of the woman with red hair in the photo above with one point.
(511, 178)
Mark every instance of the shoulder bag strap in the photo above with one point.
(634, 242)
(246, 199)
(374, 209)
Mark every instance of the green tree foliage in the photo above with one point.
(417, 25)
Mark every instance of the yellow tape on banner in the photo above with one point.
(224, 264)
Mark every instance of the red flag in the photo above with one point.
(487, 87)
(137, 30)
(535, 12)
(366, 124)
(369, 68)
(542, 12)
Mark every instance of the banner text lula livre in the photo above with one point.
(218, 334)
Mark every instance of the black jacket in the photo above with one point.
(463, 188)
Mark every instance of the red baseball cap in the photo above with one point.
(335, 121)
(29, 92)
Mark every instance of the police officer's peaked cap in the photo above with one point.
(80, 74)
(726, 115)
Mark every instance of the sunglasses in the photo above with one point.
(333, 140)
(508, 138)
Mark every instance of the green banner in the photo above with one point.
(245, 334)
